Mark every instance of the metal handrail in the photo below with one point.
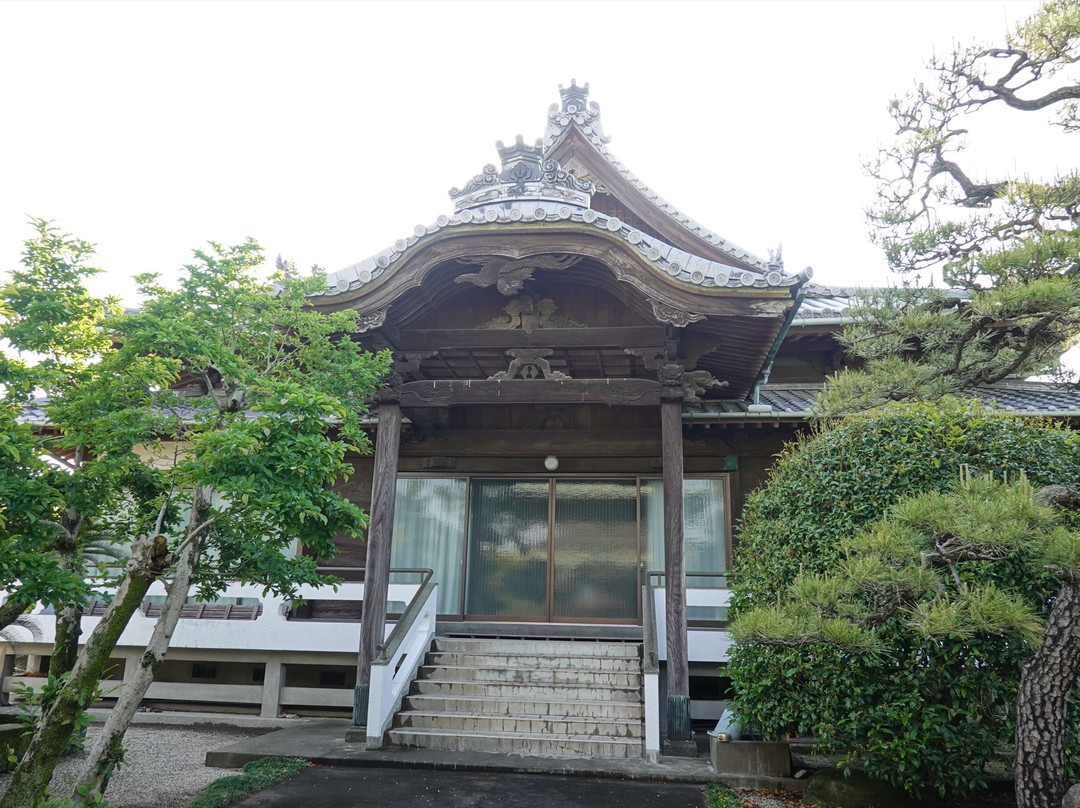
(658, 574)
(648, 613)
(417, 570)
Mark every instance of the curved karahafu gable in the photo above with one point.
(533, 194)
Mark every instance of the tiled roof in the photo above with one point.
(35, 414)
(833, 303)
(688, 269)
(795, 402)
(545, 195)
(824, 303)
(576, 110)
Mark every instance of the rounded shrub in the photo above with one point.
(928, 715)
(830, 485)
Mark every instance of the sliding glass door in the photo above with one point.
(558, 549)
(595, 551)
(508, 555)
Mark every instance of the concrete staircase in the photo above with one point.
(568, 698)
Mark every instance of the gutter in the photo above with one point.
(763, 413)
(810, 321)
(766, 368)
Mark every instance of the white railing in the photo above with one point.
(651, 670)
(394, 669)
(270, 631)
(271, 638)
(702, 644)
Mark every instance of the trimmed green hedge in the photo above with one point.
(928, 715)
(829, 486)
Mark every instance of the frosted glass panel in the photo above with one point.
(703, 527)
(596, 549)
(429, 531)
(704, 539)
(508, 548)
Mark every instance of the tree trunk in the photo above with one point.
(68, 615)
(58, 720)
(1046, 682)
(108, 752)
(66, 646)
(11, 610)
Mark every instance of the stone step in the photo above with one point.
(531, 675)
(518, 743)
(539, 647)
(531, 707)
(485, 660)
(535, 724)
(532, 692)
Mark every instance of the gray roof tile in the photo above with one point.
(794, 402)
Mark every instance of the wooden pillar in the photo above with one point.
(678, 669)
(377, 567)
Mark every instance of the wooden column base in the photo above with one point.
(679, 742)
(360, 705)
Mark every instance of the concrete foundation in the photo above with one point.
(750, 757)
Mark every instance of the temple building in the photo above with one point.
(586, 385)
(555, 337)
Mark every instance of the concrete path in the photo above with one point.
(322, 741)
(325, 787)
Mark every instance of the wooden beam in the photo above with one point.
(450, 392)
(504, 443)
(447, 339)
(377, 566)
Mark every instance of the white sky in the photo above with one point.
(328, 130)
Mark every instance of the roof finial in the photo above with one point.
(578, 109)
(574, 99)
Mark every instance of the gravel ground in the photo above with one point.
(164, 769)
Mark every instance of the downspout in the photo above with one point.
(766, 369)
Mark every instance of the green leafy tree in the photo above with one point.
(49, 317)
(209, 427)
(947, 595)
(1008, 246)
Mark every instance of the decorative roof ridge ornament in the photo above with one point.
(776, 258)
(525, 175)
(575, 107)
